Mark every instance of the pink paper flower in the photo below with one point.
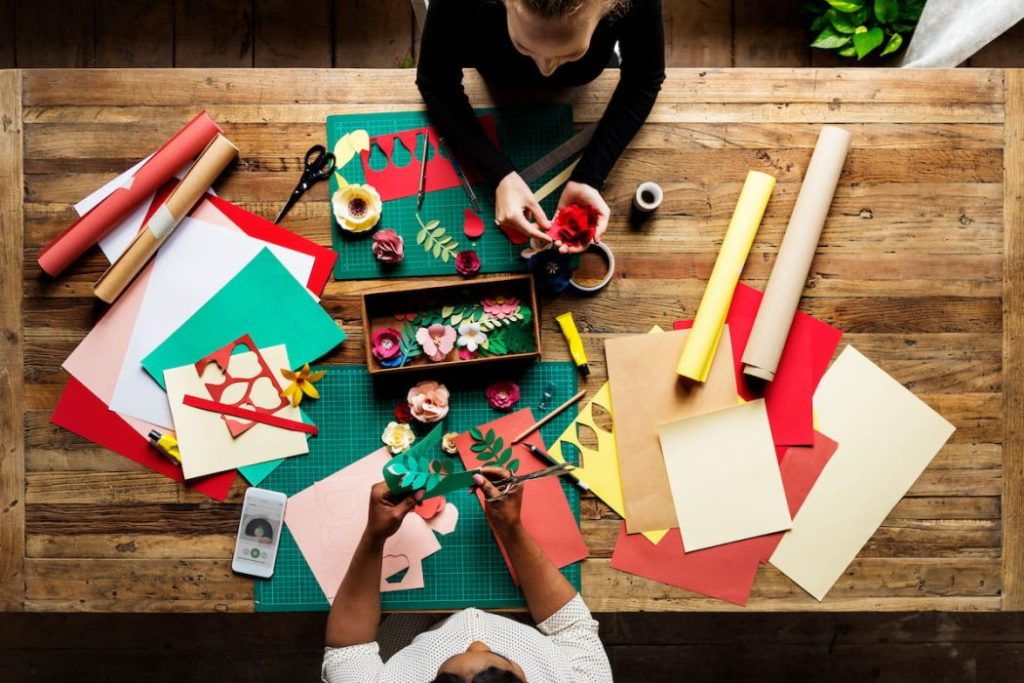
(467, 263)
(405, 316)
(388, 247)
(502, 395)
(437, 340)
(428, 401)
(501, 307)
(386, 343)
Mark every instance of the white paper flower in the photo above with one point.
(356, 207)
(471, 337)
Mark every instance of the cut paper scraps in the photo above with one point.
(724, 476)
(646, 392)
(424, 467)
(327, 520)
(473, 225)
(545, 513)
(725, 572)
(696, 358)
(887, 436)
(206, 445)
(346, 148)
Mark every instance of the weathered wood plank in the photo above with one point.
(373, 33)
(770, 34)
(698, 33)
(51, 33)
(134, 34)
(287, 35)
(1006, 51)
(7, 34)
(213, 33)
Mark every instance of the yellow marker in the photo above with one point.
(166, 445)
(572, 336)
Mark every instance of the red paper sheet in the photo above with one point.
(81, 412)
(805, 358)
(546, 513)
(727, 571)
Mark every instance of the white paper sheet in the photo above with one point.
(192, 265)
(950, 31)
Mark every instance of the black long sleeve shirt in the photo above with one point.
(474, 33)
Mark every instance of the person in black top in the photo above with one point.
(532, 42)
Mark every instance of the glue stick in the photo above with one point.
(572, 336)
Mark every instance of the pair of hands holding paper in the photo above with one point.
(515, 206)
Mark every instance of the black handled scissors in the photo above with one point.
(319, 165)
(505, 485)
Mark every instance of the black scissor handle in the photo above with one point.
(319, 163)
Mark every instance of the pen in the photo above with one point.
(423, 175)
(551, 461)
(467, 188)
(166, 445)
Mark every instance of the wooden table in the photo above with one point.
(920, 264)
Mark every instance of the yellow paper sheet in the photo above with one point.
(695, 361)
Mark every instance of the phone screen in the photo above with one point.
(259, 532)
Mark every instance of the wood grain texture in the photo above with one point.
(136, 34)
(213, 33)
(12, 441)
(1006, 51)
(770, 34)
(910, 266)
(289, 34)
(51, 33)
(373, 33)
(7, 33)
(698, 33)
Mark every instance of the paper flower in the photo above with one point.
(466, 354)
(301, 383)
(388, 246)
(405, 316)
(471, 337)
(574, 225)
(428, 401)
(437, 340)
(535, 247)
(502, 395)
(448, 443)
(356, 207)
(501, 307)
(386, 344)
(467, 263)
(397, 437)
(402, 412)
(552, 270)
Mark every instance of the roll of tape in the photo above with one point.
(648, 196)
(609, 258)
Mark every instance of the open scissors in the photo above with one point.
(319, 164)
(505, 485)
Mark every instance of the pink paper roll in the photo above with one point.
(76, 239)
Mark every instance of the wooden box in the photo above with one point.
(381, 308)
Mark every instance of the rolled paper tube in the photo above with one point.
(210, 164)
(648, 196)
(76, 239)
(699, 350)
(792, 265)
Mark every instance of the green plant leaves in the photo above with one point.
(857, 28)
(842, 23)
(867, 40)
(886, 11)
(846, 5)
(895, 42)
(830, 39)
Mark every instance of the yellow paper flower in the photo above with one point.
(356, 207)
(301, 383)
(448, 443)
(398, 437)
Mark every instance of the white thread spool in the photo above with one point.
(648, 196)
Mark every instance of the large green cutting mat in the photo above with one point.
(469, 570)
(525, 136)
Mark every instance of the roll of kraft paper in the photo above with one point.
(699, 350)
(76, 239)
(792, 265)
(210, 164)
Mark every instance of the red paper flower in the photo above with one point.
(386, 343)
(502, 395)
(574, 225)
(388, 246)
(466, 354)
(467, 263)
(402, 412)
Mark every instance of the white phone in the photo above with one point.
(259, 532)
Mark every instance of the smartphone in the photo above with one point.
(259, 532)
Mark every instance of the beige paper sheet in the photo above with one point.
(792, 265)
(724, 476)
(887, 436)
(204, 441)
(646, 391)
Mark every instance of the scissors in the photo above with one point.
(319, 165)
(505, 485)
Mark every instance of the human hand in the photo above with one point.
(387, 512)
(515, 205)
(503, 513)
(581, 193)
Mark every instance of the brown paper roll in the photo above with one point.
(792, 265)
(210, 164)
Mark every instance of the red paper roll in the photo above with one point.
(94, 225)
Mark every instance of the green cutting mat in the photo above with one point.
(525, 136)
(469, 570)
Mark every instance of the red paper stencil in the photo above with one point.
(473, 225)
(222, 359)
(395, 182)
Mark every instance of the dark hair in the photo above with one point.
(558, 9)
(489, 675)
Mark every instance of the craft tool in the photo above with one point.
(235, 411)
(545, 398)
(463, 180)
(166, 445)
(210, 164)
(648, 196)
(605, 253)
(505, 485)
(572, 336)
(540, 453)
(318, 165)
(566, 150)
(422, 191)
(550, 416)
(555, 183)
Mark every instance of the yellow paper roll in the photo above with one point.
(700, 347)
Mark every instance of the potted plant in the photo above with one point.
(858, 28)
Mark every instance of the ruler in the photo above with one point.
(567, 149)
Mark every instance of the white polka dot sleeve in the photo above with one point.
(352, 664)
(575, 632)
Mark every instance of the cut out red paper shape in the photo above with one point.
(473, 225)
(238, 411)
(429, 508)
(514, 236)
(546, 513)
(395, 182)
(82, 412)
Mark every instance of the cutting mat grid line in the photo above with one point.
(525, 136)
(469, 570)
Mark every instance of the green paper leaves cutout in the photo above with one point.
(418, 468)
(435, 240)
(491, 451)
(408, 344)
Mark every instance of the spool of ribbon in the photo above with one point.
(609, 259)
(648, 196)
